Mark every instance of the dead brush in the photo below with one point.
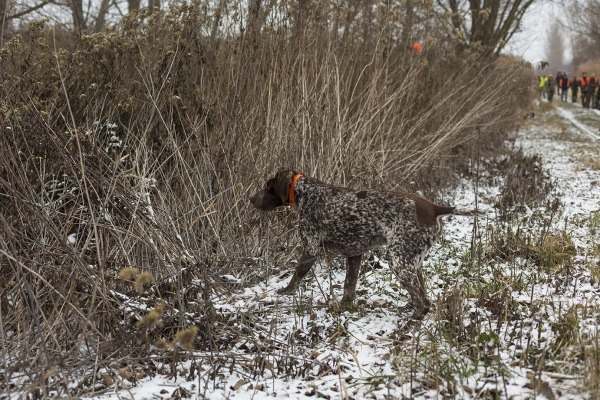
(526, 182)
(527, 215)
(496, 296)
(592, 362)
(566, 329)
(198, 121)
(550, 252)
(450, 313)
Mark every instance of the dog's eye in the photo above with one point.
(270, 187)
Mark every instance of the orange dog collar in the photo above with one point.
(291, 192)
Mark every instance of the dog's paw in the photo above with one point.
(348, 305)
(286, 290)
(405, 330)
(401, 334)
(406, 309)
(337, 306)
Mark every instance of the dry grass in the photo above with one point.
(138, 147)
(526, 182)
(592, 357)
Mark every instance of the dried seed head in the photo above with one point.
(145, 278)
(186, 338)
(128, 273)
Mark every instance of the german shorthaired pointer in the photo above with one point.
(340, 221)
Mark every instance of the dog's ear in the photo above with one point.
(283, 181)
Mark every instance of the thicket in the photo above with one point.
(137, 148)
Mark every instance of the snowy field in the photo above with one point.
(502, 325)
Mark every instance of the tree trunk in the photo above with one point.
(217, 20)
(101, 20)
(152, 5)
(133, 5)
(301, 17)
(3, 19)
(491, 23)
(253, 25)
(77, 13)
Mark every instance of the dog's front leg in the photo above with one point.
(352, 271)
(304, 265)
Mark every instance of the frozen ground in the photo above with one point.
(501, 327)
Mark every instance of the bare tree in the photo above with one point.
(101, 19)
(153, 4)
(133, 5)
(485, 25)
(11, 11)
(79, 22)
(254, 21)
(555, 47)
(217, 18)
(409, 21)
(80, 15)
(3, 19)
(585, 27)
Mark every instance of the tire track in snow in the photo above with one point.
(571, 118)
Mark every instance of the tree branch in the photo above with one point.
(31, 9)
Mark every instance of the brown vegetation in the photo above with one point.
(137, 148)
(589, 67)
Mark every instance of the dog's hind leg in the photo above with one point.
(407, 266)
(304, 265)
(412, 280)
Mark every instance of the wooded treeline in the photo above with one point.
(583, 22)
(486, 25)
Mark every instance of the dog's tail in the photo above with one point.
(433, 213)
(464, 212)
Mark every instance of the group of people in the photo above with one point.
(586, 85)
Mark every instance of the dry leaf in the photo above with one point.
(238, 384)
(125, 374)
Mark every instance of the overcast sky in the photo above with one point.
(531, 42)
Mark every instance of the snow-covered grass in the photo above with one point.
(516, 306)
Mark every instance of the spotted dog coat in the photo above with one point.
(340, 221)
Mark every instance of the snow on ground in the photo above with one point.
(499, 328)
(581, 127)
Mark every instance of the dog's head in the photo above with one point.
(276, 191)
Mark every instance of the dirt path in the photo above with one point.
(573, 114)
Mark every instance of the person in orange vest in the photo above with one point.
(594, 84)
(558, 77)
(574, 88)
(564, 83)
(583, 84)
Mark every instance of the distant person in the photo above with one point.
(583, 84)
(559, 76)
(590, 91)
(563, 84)
(542, 86)
(574, 88)
(550, 87)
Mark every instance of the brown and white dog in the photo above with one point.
(340, 221)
